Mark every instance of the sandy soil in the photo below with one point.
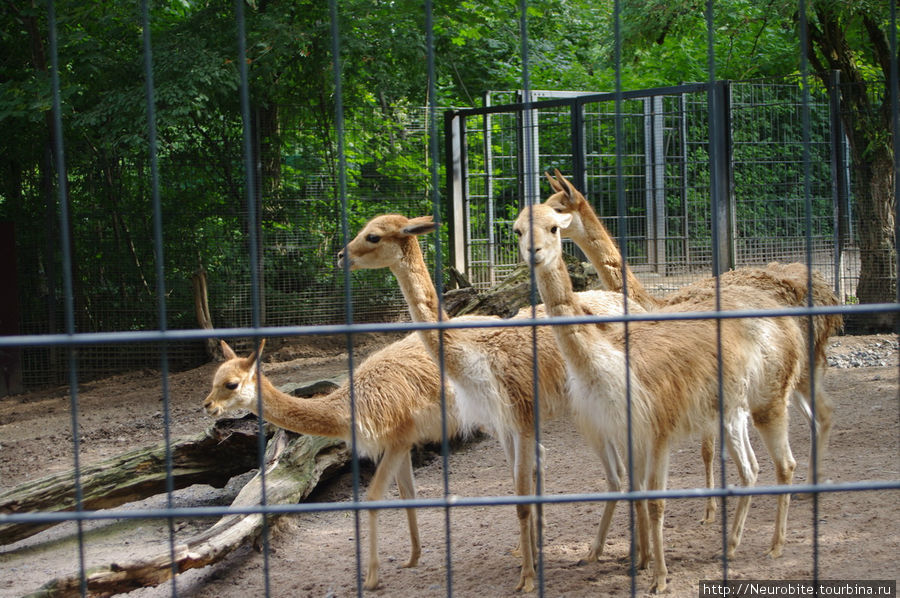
(314, 554)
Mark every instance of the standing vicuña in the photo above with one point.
(673, 371)
(492, 369)
(786, 284)
(398, 405)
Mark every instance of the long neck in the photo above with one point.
(419, 292)
(326, 416)
(604, 255)
(593, 356)
(578, 342)
(559, 298)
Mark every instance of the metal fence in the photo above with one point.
(667, 198)
(666, 174)
(299, 233)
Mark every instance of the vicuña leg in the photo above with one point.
(524, 476)
(406, 486)
(737, 442)
(615, 471)
(775, 436)
(659, 468)
(388, 467)
(824, 411)
(708, 450)
(642, 518)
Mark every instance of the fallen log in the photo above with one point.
(226, 449)
(513, 293)
(295, 465)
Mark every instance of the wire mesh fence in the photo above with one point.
(637, 156)
(666, 173)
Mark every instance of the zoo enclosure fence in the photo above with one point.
(667, 236)
(658, 252)
(666, 164)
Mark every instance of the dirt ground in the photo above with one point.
(314, 554)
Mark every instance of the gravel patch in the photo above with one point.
(877, 352)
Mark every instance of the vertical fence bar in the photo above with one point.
(438, 279)
(253, 250)
(623, 248)
(717, 222)
(807, 193)
(531, 196)
(336, 67)
(56, 136)
(160, 276)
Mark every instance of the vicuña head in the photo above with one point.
(384, 241)
(566, 199)
(234, 385)
(539, 228)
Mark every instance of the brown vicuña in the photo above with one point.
(786, 284)
(665, 377)
(491, 368)
(398, 405)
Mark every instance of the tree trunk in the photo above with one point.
(295, 466)
(201, 309)
(513, 293)
(226, 449)
(877, 251)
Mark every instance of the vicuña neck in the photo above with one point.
(580, 344)
(603, 253)
(418, 290)
(324, 416)
(556, 290)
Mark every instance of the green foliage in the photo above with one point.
(383, 50)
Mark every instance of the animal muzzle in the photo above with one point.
(212, 408)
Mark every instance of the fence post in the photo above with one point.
(839, 189)
(654, 185)
(489, 193)
(11, 357)
(454, 131)
(578, 149)
(685, 226)
(721, 187)
(529, 150)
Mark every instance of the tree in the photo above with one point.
(852, 38)
(760, 39)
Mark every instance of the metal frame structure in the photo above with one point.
(669, 168)
(455, 127)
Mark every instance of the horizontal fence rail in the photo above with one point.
(643, 159)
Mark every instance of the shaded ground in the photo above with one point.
(314, 554)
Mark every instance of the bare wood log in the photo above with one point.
(295, 467)
(226, 449)
(513, 293)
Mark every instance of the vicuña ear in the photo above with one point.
(420, 226)
(564, 220)
(255, 358)
(564, 184)
(227, 351)
(554, 184)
